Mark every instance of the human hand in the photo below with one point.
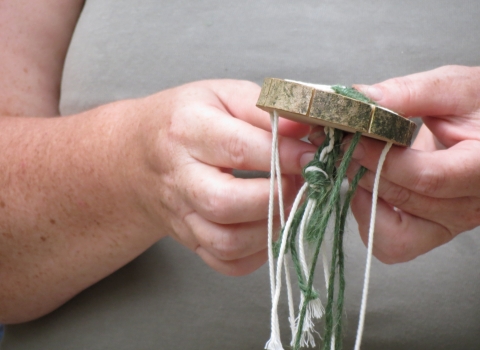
(430, 193)
(190, 148)
(93, 190)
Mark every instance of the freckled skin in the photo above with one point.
(45, 181)
(70, 218)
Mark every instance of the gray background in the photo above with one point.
(167, 298)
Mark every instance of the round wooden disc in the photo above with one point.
(309, 104)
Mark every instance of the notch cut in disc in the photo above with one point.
(320, 105)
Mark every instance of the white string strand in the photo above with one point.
(301, 248)
(315, 308)
(274, 343)
(326, 273)
(331, 143)
(313, 311)
(271, 205)
(276, 273)
(278, 175)
(371, 230)
(278, 172)
(291, 308)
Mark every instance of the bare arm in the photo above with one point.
(55, 187)
(34, 36)
(80, 196)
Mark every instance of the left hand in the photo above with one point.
(429, 193)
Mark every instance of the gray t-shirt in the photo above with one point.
(168, 298)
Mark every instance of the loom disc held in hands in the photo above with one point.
(319, 202)
(325, 105)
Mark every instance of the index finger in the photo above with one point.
(224, 199)
(448, 90)
(239, 99)
(446, 173)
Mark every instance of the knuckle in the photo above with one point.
(227, 247)
(217, 205)
(396, 195)
(429, 181)
(468, 219)
(238, 151)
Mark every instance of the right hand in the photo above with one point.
(429, 193)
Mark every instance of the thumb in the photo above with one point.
(445, 91)
(239, 98)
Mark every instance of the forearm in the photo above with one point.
(85, 194)
(34, 38)
(68, 214)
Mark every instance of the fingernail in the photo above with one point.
(371, 91)
(306, 158)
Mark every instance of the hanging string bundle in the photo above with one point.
(319, 205)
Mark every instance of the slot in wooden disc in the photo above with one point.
(308, 104)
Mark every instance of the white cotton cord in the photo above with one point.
(324, 253)
(332, 344)
(326, 272)
(278, 175)
(363, 307)
(278, 171)
(291, 309)
(275, 173)
(301, 248)
(331, 143)
(274, 343)
(271, 203)
(307, 338)
(323, 154)
(315, 308)
(316, 168)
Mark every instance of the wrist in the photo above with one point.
(135, 168)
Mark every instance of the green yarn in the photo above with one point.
(352, 93)
(324, 180)
(326, 193)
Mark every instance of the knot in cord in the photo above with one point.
(307, 293)
(316, 176)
